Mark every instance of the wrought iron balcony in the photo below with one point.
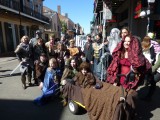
(13, 4)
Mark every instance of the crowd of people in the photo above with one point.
(94, 77)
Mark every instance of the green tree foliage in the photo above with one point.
(64, 27)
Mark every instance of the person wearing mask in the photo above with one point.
(113, 39)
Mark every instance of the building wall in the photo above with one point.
(55, 24)
(137, 26)
(10, 29)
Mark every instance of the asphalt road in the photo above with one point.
(17, 104)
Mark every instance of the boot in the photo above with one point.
(36, 82)
(23, 79)
(29, 80)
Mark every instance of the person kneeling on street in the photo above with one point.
(51, 83)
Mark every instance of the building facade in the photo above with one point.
(71, 28)
(54, 26)
(127, 13)
(18, 18)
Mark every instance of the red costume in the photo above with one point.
(135, 58)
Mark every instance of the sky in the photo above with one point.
(79, 11)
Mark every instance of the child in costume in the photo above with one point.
(51, 82)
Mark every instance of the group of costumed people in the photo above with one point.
(110, 98)
(115, 98)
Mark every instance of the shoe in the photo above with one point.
(24, 86)
(36, 83)
(30, 84)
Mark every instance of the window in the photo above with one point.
(22, 31)
(17, 34)
(9, 37)
(1, 40)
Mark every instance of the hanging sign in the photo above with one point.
(107, 14)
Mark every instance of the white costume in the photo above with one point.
(113, 39)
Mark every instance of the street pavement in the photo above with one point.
(17, 104)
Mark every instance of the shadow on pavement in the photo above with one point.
(26, 110)
(5, 70)
(145, 108)
(12, 59)
(8, 75)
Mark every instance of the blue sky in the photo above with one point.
(79, 11)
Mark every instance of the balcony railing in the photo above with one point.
(13, 4)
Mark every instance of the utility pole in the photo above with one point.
(107, 15)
